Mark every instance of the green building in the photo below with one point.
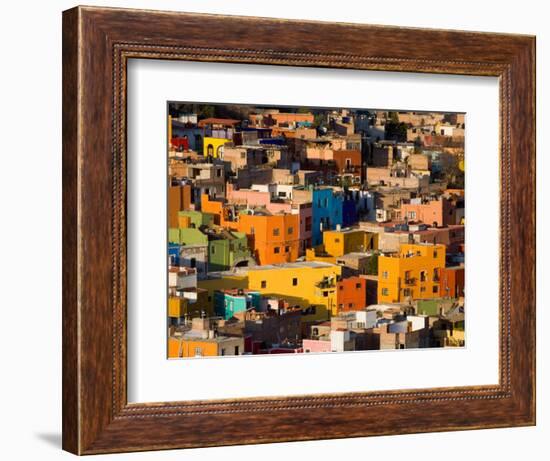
(198, 218)
(187, 236)
(227, 250)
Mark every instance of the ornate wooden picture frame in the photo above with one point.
(97, 44)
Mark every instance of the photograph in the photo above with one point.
(295, 230)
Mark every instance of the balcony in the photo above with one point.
(326, 284)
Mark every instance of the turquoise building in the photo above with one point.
(230, 302)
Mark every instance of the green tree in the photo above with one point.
(319, 120)
(393, 117)
(206, 111)
(396, 131)
(372, 265)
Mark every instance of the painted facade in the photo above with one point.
(310, 285)
(413, 273)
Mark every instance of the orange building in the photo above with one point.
(213, 206)
(412, 273)
(273, 238)
(276, 118)
(179, 199)
(451, 282)
(195, 346)
(351, 294)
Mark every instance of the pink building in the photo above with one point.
(252, 198)
(316, 345)
(434, 213)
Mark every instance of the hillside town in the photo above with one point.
(311, 230)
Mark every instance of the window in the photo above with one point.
(193, 262)
(277, 250)
(290, 230)
(264, 284)
(422, 289)
(341, 287)
(407, 292)
(336, 240)
(294, 282)
(385, 292)
(350, 305)
(325, 294)
(276, 231)
(422, 276)
(412, 214)
(385, 274)
(213, 249)
(435, 253)
(358, 285)
(223, 351)
(243, 155)
(287, 249)
(198, 352)
(219, 173)
(435, 289)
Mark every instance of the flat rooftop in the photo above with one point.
(294, 265)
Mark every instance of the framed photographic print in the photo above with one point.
(317, 231)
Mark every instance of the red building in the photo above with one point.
(451, 282)
(351, 294)
(348, 161)
(180, 143)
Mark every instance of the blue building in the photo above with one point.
(327, 211)
(230, 302)
(174, 254)
(349, 212)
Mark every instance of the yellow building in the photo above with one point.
(222, 281)
(195, 346)
(214, 146)
(310, 285)
(412, 273)
(337, 243)
(177, 306)
(193, 303)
